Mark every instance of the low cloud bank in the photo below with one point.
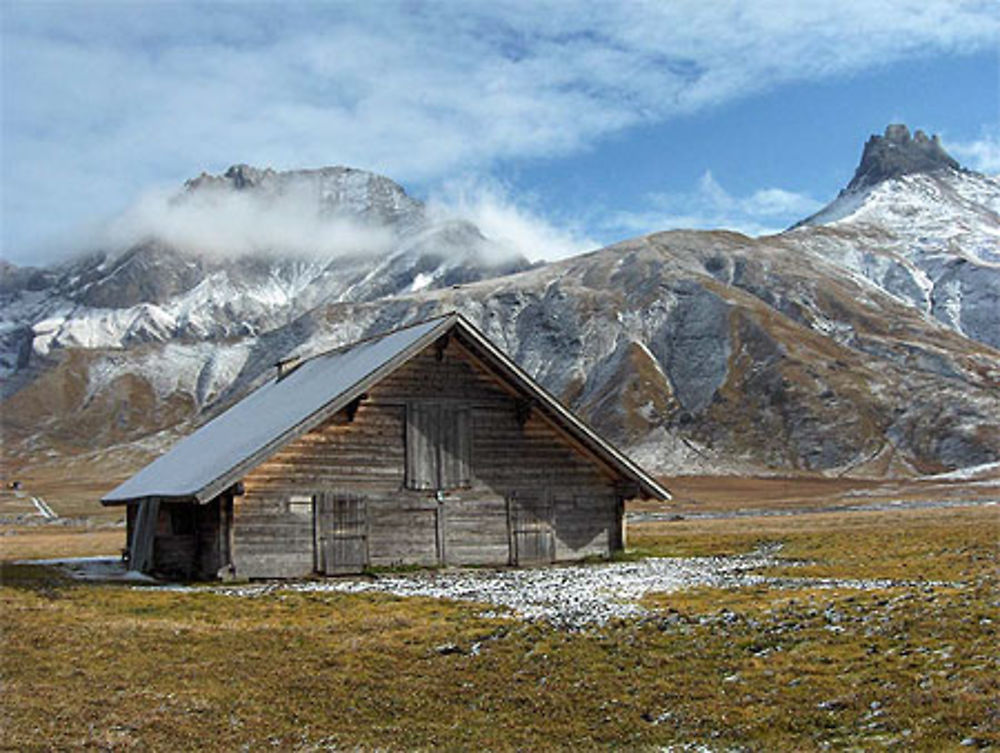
(294, 221)
(223, 223)
(504, 221)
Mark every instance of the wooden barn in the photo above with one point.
(423, 446)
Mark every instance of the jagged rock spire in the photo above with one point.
(897, 153)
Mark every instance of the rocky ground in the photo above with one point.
(571, 597)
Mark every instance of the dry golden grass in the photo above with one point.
(69, 497)
(114, 668)
(47, 541)
(933, 544)
(73, 484)
(694, 494)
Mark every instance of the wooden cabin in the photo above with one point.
(423, 446)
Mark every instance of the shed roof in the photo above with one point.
(216, 455)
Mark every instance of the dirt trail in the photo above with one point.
(43, 509)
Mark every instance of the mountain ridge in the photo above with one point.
(823, 349)
(152, 290)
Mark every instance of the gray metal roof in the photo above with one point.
(219, 453)
(269, 416)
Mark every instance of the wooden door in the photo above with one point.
(532, 538)
(341, 528)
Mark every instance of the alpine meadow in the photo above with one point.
(447, 376)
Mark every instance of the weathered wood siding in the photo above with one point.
(476, 528)
(402, 530)
(274, 530)
(534, 462)
(273, 521)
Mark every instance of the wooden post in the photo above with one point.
(141, 546)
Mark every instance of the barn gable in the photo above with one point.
(431, 448)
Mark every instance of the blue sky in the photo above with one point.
(560, 125)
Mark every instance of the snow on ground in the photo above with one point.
(43, 508)
(202, 370)
(968, 473)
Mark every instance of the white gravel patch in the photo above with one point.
(570, 596)
(575, 597)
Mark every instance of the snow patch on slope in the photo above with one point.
(201, 370)
(930, 240)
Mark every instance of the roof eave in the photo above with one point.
(169, 498)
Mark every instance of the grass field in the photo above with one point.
(910, 667)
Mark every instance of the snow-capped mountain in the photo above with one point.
(920, 227)
(697, 351)
(342, 235)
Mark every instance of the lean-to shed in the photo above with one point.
(425, 446)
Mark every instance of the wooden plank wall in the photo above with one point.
(532, 461)
(273, 535)
(476, 528)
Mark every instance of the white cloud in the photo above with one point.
(982, 155)
(289, 217)
(709, 206)
(489, 206)
(223, 223)
(100, 100)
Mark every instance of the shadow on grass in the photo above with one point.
(44, 580)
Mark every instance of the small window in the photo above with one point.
(438, 446)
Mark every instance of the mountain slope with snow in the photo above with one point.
(852, 343)
(239, 254)
(929, 235)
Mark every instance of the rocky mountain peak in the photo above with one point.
(245, 176)
(335, 190)
(898, 153)
(238, 177)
